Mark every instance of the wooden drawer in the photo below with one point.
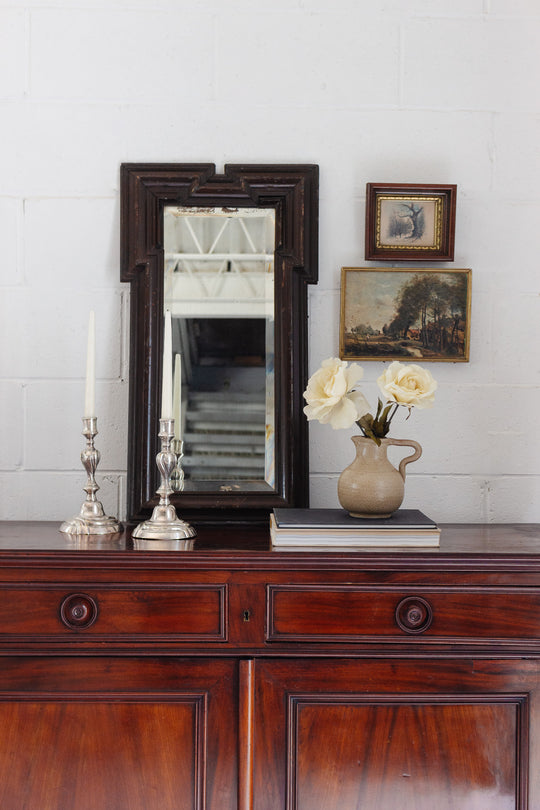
(123, 612)
(355, 614)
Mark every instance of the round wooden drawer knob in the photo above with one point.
(414, 614)
(78, 611)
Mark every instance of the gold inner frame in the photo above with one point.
(437, 245)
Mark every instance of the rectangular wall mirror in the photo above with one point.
(230, 256)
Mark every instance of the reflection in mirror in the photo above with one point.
(219, 288)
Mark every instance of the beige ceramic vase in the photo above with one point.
(371, 487)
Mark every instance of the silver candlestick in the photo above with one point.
(164, 523)
(177, 475)
(91, 519)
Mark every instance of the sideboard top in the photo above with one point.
(505, 546)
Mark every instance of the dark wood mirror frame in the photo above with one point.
(292, 190)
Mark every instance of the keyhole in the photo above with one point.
(247, 615)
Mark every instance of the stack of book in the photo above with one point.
(335, 529)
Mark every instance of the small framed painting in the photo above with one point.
(407, 222)
(390, 313)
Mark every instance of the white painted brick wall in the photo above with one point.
(382, 91)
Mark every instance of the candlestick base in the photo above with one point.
(95, 524)
(92, 518)
(165, 523)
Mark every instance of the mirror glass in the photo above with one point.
(219, 288)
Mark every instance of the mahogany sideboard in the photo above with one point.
(234, 677)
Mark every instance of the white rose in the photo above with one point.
(329, 394)
(412, 385)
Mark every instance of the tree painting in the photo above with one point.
(407, 221)
(406, 314)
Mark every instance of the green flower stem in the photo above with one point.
(379, 427)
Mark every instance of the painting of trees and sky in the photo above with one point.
(394, 314)
(408, 222)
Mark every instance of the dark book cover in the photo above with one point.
(340, 519)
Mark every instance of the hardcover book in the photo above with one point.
(328, 528)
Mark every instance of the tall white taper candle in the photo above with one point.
(90, 390)
(166, 386)
(177, 399)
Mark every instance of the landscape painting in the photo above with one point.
(395, 314)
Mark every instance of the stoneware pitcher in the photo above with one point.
(371, 487)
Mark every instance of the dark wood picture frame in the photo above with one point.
(292, 191)
(406, 221)
(408, 314)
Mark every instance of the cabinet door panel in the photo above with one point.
(172, 744)
(376, 734)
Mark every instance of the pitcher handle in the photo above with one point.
(412, 457)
